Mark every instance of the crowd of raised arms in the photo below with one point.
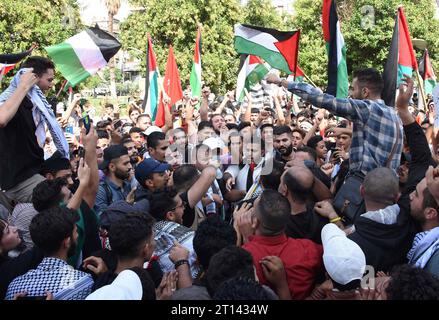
(289, 194)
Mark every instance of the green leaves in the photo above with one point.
(365, 47)
(176, 22)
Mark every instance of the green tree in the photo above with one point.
(175, 22)
(262, 13)
(43, 22)
(365, 47)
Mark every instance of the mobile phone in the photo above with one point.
(85, 116)
(81, 152)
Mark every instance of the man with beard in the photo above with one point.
(283, 143)
(115, 186)
(54, 232)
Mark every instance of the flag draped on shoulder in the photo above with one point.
(401, 58)
(150, 100)
(171, 88)
(427, 73)
(8, 61)
(195, 79)
(84, 54)
(252, 70)
(278, 48)
(338, 84)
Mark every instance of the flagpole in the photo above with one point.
(309, 80)
(421, 88)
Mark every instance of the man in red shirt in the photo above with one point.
(302, 258)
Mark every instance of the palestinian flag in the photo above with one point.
(195, 79)
(427, 73)
(278, 48)
(401, 58)
(298, 76)
(338, 83)
(171, 88)
(84, 54)
(8, 61)
(150, 101)
(252, 70)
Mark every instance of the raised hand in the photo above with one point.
(28, 80)
(404, 96)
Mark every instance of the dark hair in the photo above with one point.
(272, 180)
(371, 79)
(204, 124)
(102, 134)
(228, 263)
(212, 235)
(49, 228)
(40, 65)
(308, 150)
(126, 139)
(300, 193)
(313, 141)
(135, 130)
(241, 288)
(244, 124)
(299, 131)
(103, 124)
(161, 202)
(153, 140)
(132, 109)
(410, 283)
(48, 194)
(184, 177)
(109, 105)
(254, 110)
(231, 126)
(273, 210)
(128, 235)
(278, 130)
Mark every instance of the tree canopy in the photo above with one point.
(43, 22)
(367, 40)
(175, 22)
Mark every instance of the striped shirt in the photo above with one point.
(55, 276)
(374, 132)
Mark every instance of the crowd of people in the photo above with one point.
(228, 200)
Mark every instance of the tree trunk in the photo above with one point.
(111, 62)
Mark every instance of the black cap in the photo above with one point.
(113, 152)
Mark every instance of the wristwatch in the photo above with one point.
(180, 262)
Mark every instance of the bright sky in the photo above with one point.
(92, 10)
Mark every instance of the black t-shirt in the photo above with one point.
(306, 225)
(20, 155)
(189, 213)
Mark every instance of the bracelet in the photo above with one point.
(180, 262)
(335, 220)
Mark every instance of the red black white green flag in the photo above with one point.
(278, 48)
(401, 59)
(427, 73)
(338, 83)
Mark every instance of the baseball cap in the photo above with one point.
(152, 129)
(126, 286)
(148, 166)
(214, 143)
(343, 258)
(113, 152)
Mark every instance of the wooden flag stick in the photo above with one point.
(421, 88)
